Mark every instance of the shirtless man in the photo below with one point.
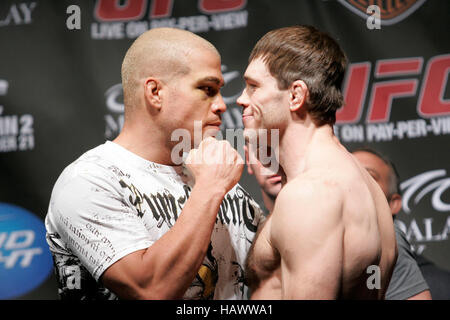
(407, 281)
(331, 220)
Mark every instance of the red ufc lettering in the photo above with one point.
(431, 102)
(384, 92)
(212, 6)
(161, 8)
(112, 10)
(355, 90)
(382, 95)
(398, 67)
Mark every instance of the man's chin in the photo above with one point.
(273, 190)
(211, 133)
(255, 135)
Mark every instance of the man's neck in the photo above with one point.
(148, 145)
(298, 142)
(268, 201)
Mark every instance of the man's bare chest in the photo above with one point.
(263, 259)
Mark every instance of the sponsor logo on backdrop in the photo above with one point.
(115, 116)
(17, 14)
(25, 260)
(231, 119)
(132, 18)
(433, 182)
(395, 79)
(433, 186)
(16, 131)
(391, 12)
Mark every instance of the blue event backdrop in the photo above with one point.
(60, 95)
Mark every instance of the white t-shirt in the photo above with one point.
(111, 202)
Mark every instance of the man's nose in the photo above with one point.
(242, 100)
(219, 105)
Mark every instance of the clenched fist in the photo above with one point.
(215, 164)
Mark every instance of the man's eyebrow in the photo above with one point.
(216, 80)
(370, 170)
(249, 79)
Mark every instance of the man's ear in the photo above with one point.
(152, 92)
(298, 93)
(395, 203)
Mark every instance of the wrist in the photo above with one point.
(210, 190)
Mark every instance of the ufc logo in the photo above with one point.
(431, 102)
(112, 10)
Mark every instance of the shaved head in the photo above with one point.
(162, 53)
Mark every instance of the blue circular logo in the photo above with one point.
(25, 259)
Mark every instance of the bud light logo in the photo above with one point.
(25, 260)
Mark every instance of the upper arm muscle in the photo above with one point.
(121, 276)
(307, 231)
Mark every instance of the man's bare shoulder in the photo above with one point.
(307, 229)
(308, 202)
(309, 190)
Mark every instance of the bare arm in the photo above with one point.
(166, 269)
(424, 295)
(307, 230)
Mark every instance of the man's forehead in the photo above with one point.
(203, 62)
(372, 162)
(370, 155)
(256, 70)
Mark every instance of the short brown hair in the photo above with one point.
(305, 53)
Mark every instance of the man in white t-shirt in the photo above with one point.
(125, 220)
